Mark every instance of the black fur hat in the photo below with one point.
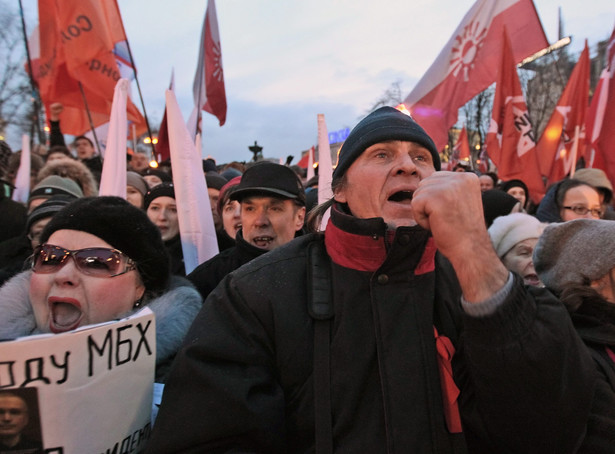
(124, 227)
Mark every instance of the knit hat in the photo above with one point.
(215, 180)
(575, 252)
(596, 178)
(209, 165)
(496, 203)
(160, 190)
(506, 185)
(381, 125)
(164, 176)
(124, 227)
(55, 185)
(225, 192)
(136, 181)
(271, 179)
(48, 208)
(506, 231)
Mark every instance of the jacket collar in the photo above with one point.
(366, 244)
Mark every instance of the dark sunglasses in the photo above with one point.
(93, 261)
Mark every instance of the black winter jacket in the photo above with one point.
(208, 275)
(243, 381)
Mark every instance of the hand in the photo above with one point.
(449, 204)
(55, 110)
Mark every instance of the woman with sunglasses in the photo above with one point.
(100, 259)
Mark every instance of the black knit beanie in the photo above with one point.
(381, 125)
(160, 190)
(124, 227)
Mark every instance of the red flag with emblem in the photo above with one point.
(468, 63)
(510, 140)
(208, 88)
(77, 40)
(563, 141)
(600, 131)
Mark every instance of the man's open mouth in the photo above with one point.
(262, 241)
(401, 196)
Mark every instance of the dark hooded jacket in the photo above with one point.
(244, 379)
(208, 275)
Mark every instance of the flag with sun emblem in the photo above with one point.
(208, 88)
(469, 61)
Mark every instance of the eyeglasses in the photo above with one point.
(94, 261)
(582, 211)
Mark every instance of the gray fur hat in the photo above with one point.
(575, 252)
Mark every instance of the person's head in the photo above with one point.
(42, 214)
(381, 164)
(214, 184)
(99, 259)
(162, 210)
(462, 166)
(272, 205)
(487, 181)
(75, 170)
(497, 203)
(578, 200)
(13, 417)
(36, 165)
(154, 177)
(58, 152)
(136, 188)
(84, 147)
(514, 237)
(518, 189)
(229, 210)
(598, 179)
(51, 186)
(579, 253)
(139, 162)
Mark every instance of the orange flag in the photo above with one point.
(510, 140)
(563, 141)
(77, 39)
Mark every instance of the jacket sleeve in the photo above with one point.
(528, 380)
(222, 394)
(55, 134)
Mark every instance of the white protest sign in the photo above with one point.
(93, 385)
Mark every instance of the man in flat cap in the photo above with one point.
(272, 203)
(396, 330)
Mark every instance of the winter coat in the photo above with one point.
(174, 310)
(548, 211)
(595, 322)
(176, 255)
(244, 379)
(13, 254)
(208, 275)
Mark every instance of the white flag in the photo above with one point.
(325, 168)
(22, 180)
(113, 178)
(196, 223)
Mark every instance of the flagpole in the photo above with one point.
(134, 69)
(35, 93)
(87, 109)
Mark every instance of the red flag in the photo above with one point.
(163, 149)
(468, 63)
(603, 140)
(303, 162)
(77, 40)
(462, 147)
(563, 140)
(510, 140)
(208, 88)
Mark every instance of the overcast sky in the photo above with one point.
(287, 61)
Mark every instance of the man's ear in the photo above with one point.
(299, 218)
(600, 283)
(340, 195)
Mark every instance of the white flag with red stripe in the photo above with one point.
(469, 61)
(208, 88)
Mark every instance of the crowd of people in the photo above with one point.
(435, 311)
